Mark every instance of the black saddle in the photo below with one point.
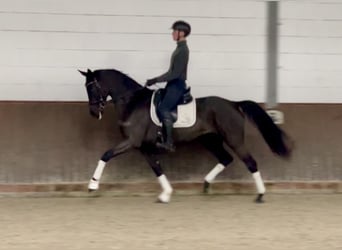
(186, 98)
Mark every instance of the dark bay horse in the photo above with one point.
(219, 122)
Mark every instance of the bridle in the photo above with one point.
(100, 101)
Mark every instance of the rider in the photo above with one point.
(175, 78)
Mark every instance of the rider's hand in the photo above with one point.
(150, 82)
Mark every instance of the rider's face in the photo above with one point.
(175, 34)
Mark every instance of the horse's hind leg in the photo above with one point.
(165, 195)
(214, 143)
(109, 154)
(251, 164)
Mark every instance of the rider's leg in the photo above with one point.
(167, 133)
(174, 92)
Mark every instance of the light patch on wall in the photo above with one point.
(276, 115)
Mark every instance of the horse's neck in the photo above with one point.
(117, 83)
(125, 92)
(130, 85)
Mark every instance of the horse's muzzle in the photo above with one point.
(96, 113)
(97, 110)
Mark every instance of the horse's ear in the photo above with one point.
(83, 73)
(88, 73)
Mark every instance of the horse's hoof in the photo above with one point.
(161, 202)
(93, 185)
(206, 186)
(259, 199)
(164, 198)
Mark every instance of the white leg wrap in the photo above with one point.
(210, 177)
(165, 196)
(259, 183)
(99, 169)
(164, 183)
(93, 185)
(94, 182)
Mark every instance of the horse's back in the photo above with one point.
(216, 103)
(221, 114)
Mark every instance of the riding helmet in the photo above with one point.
(182, 26)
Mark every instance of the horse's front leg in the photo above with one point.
(165, 195)
(109, 154)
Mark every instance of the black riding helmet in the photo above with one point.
(182, 26)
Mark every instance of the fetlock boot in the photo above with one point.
(167, 144)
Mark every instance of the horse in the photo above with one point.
(219, 123)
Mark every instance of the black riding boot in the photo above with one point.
(167, 143)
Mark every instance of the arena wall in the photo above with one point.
(60, 143)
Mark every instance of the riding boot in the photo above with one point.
(167, 144)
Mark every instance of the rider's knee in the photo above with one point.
(165, 114)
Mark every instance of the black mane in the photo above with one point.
(107, 74)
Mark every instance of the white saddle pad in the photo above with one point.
(186, 114)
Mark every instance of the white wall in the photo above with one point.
(310, 51)
(44, 42)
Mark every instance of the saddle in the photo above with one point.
(184, 115)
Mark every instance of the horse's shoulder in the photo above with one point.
(141, 96)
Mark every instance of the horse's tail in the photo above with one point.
(276, 138)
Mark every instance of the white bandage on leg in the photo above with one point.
(259, 183)
(210, 177)
(165, 195)
(165, 184)
(99, 169)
